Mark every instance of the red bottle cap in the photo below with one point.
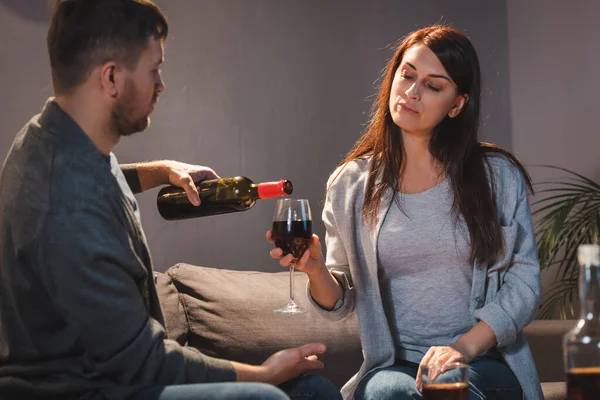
(267, 190)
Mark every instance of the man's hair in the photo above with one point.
(86, 33)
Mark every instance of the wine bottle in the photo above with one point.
(218, 196)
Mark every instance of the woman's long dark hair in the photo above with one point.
(454, 143)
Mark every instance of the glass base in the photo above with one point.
(290, 308)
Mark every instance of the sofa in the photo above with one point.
(228, 314)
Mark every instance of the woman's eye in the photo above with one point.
(407, 77)
(435, 89)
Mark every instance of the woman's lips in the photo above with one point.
(405, 108)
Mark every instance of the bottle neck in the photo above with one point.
(268, 190)
(589, 291)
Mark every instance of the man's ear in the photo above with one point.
(109, 77)
(458, 105)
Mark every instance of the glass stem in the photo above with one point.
(292, 283)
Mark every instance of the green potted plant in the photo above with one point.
(567, 215)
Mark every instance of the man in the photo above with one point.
(79, 314)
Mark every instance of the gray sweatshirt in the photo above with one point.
(79, 313)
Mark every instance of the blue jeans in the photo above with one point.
(307, 387)
(489, 379)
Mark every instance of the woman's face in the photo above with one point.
(423, 93)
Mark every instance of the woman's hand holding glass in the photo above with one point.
(310, 263)
(440, 356)
(324, 288)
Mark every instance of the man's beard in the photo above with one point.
(121, 118)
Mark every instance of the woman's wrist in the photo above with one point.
(318, 273)
(324, 288)
(479, 339)
(468, 352)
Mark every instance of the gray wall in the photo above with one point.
(554, 53)
(266, 88)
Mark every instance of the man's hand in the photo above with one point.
(165, 172)
(184, 176)
(291, 363)
(283, 365)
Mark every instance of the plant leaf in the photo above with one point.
(566, 217)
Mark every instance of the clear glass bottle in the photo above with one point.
(581, 345)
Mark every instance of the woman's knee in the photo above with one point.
(492, 378)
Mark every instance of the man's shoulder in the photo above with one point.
(43, 174)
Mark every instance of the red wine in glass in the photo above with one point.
(292, 232)
(292, 237)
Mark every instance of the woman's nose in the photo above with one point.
(413, 92)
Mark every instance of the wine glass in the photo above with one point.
(292, 232)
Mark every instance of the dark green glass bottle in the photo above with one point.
(218, 196)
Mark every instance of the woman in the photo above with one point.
(429, 235)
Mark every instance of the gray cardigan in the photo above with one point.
(505, 294)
